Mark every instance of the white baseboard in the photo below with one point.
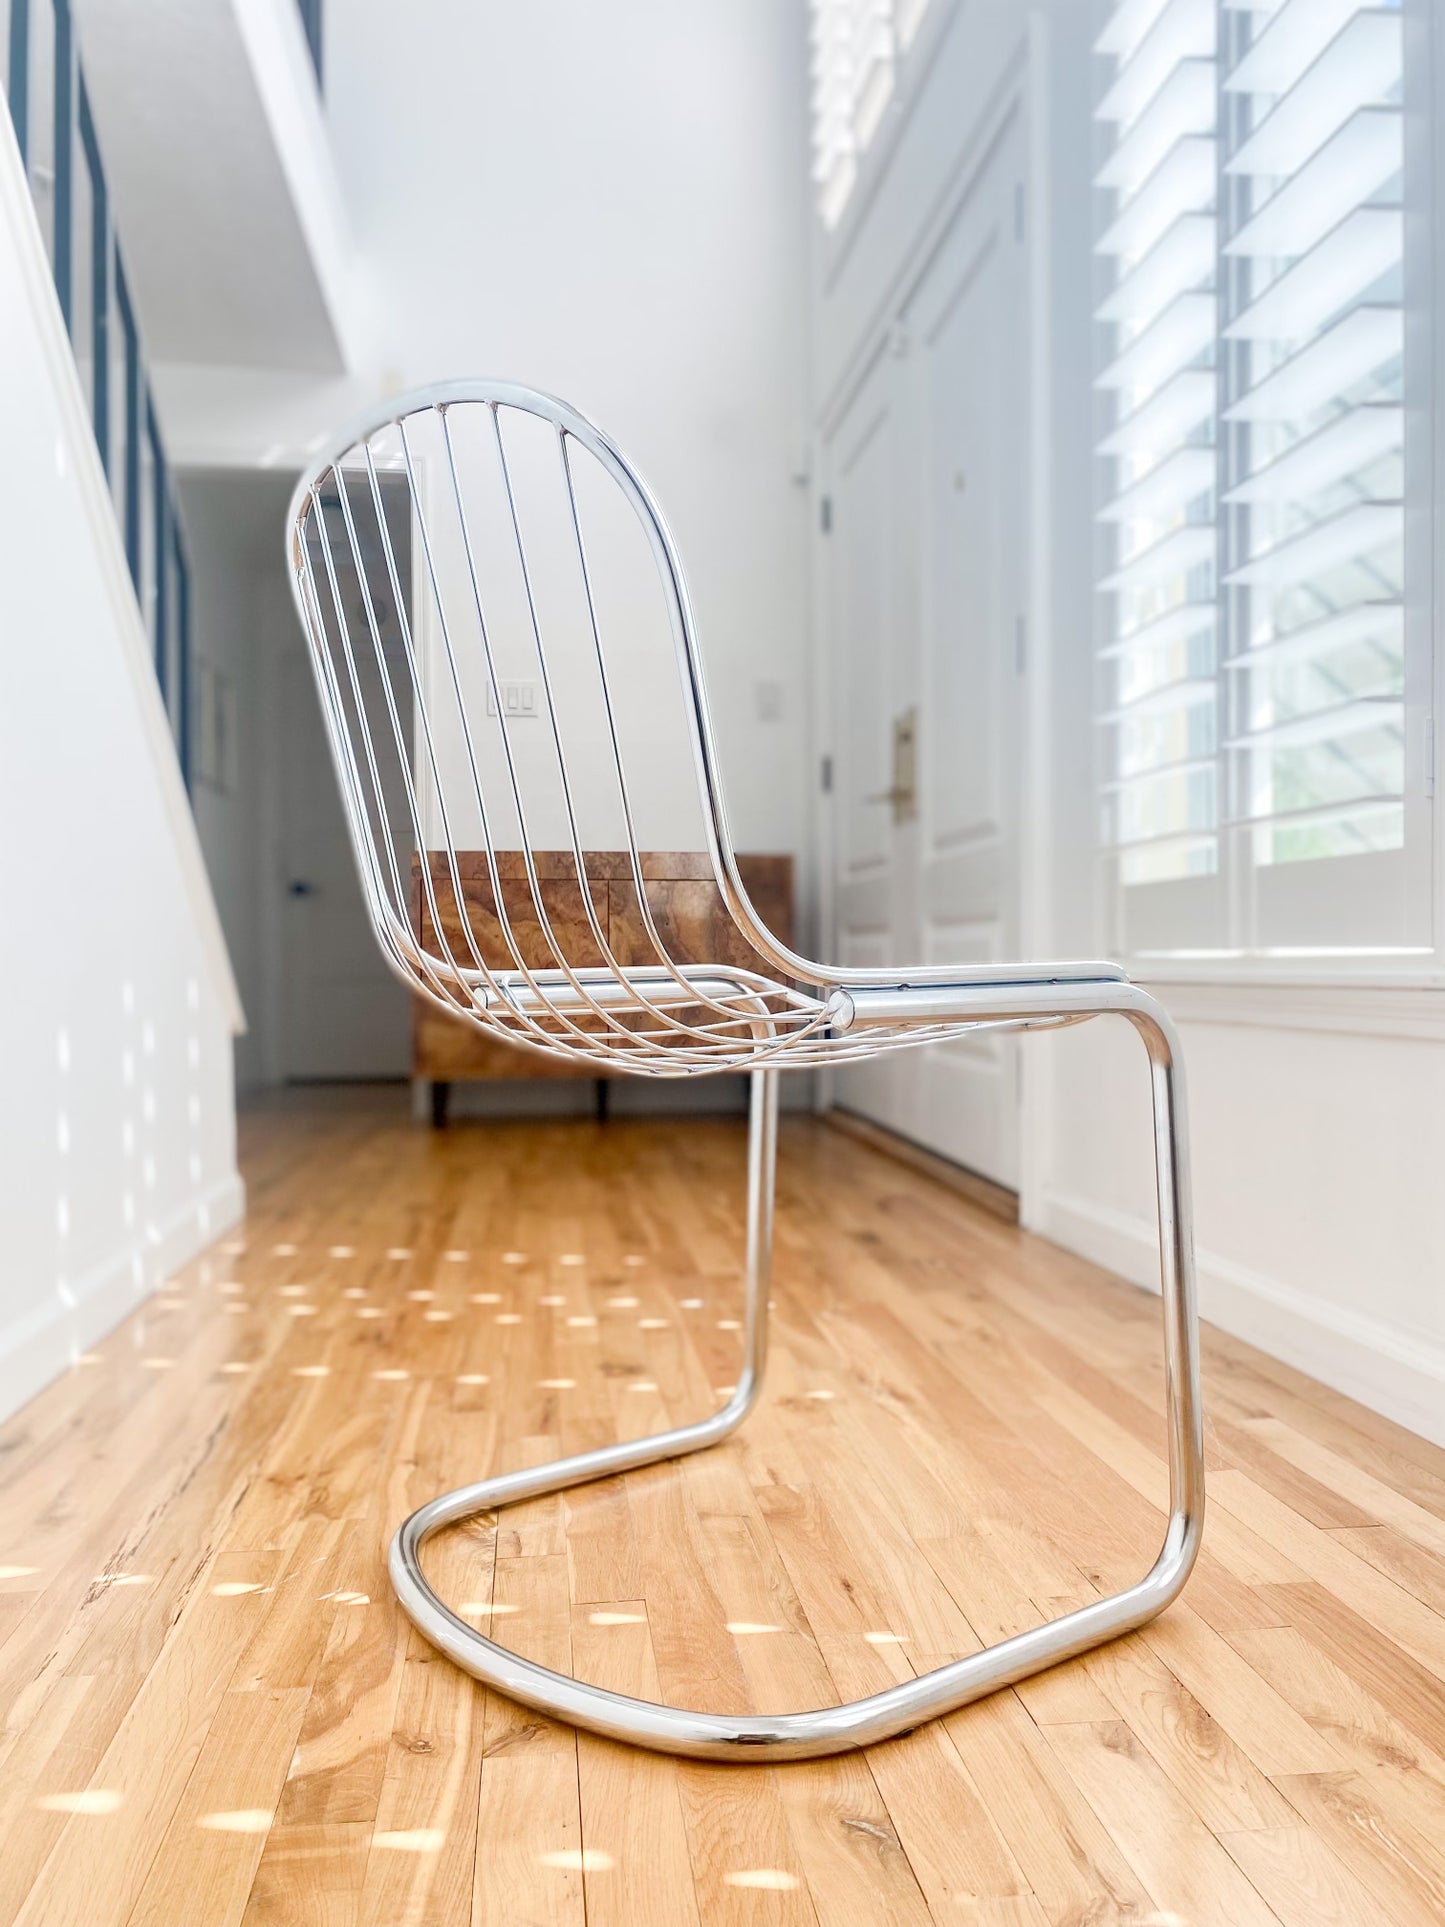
(1395, 1373)
(48, 1339)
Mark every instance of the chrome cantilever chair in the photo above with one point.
(476, 621)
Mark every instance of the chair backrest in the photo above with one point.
(510, 683)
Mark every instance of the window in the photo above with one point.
(856, 46)
(1260, 792)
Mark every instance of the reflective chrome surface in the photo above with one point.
(417, 754)
(832, 1729)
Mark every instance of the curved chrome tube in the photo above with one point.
(834, 1729)
(518, 976)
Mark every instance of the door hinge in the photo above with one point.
(825, 515)
(1021, 645)
(1429, 756)
(825, 775)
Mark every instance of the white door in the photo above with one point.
(935, 644)
(870, 683)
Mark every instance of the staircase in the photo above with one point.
(55, 132)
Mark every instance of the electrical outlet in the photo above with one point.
(519, 700)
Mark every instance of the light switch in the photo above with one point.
(519, 700)
(768, 700)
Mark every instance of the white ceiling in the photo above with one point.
(218, 223)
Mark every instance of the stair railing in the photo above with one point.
(55, 131)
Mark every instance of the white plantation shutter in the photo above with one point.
(856, 46)
(1160, 247)
(1255, 714)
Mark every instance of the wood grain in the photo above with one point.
(683, 902)
(211, 1711)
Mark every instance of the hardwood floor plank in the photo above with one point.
(1201, 1761)
(1275, 1737)
(1404, 1869)
(1358, 1726)
(637, 1865)
(529, 1827)
(103, 1852)
(1402, 1559)
(1411, 1693)
(1182, 1864)
(421, 1871)
(1077, 1872)
(961, 1435)
(1307, 1884)
(206, 1864)
(1337, 1573)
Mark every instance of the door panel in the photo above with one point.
(965, 528)
(865, 666)
(927, 577)
(863, 623)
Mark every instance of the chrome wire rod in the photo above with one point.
(522, 971)
(772, 1738)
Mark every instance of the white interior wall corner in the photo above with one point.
(117, 1003)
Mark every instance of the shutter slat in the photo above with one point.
(1181, 622)
(1329, 366)
(1350, 442)
(1335, 724)
(1360, 67)
(1351, 166)
(1379, 623)
(1296, 36)
(1182, 258)
(855, 51)
(1184, 30)
(1164, 489)
(1337, 270)
(1358, 532)
(1173, 555)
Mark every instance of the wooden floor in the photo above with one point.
(213, 1712)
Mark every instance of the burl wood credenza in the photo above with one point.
(686, 906)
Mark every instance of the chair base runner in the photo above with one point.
(835, 1729)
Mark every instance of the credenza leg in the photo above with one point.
(603, 1095)
(441, 1092)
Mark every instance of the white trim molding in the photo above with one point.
(1399, 1374)
(1358, 1010)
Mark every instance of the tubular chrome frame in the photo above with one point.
(670, 1018)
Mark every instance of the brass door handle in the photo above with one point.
(897, 796)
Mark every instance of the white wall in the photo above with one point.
(609, 203)
(117, 1154)
(1318, 1110)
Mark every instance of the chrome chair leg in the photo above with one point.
(881, 1716)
